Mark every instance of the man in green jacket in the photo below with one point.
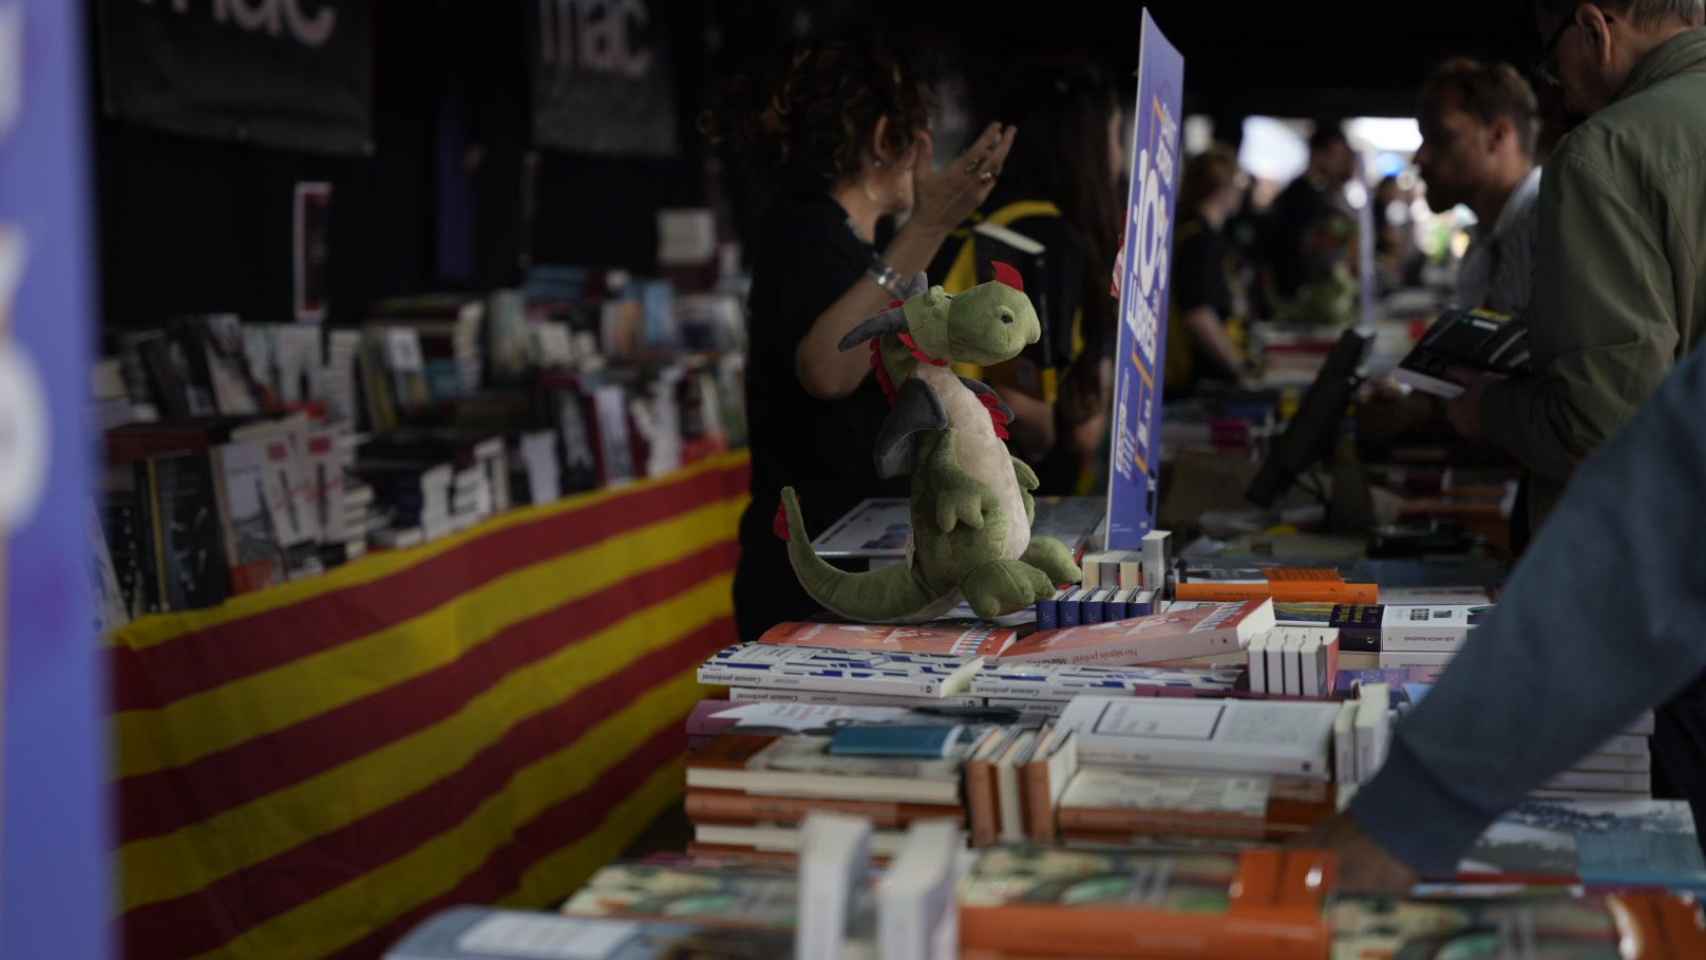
(1618, 291)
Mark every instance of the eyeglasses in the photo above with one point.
(1543, 67)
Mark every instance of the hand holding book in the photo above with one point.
(1464, 410)
(1461, 346)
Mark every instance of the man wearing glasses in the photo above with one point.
(1618, 276)
(1600, 620)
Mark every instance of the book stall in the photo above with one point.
(371, 595)
(1134, 763)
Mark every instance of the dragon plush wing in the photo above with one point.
(916, 409)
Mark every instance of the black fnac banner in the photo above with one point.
(295, 74)
(601, 77)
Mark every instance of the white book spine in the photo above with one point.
(1258, 657)
(1372, 726)
(1344, 745)
(1276, 663)
(1312, 666)
(834, 856)
(1155, 549)
(1293, 654)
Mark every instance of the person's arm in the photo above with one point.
(1204, 324)
(1599, 622)
(1603, 325)
(944, 198)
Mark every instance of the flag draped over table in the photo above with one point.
(310, 770)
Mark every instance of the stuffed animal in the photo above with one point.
(971, 500)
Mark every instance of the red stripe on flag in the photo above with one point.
(251, 896)
(152, 677)
(559, 827)
(162, 801)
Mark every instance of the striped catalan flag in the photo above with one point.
(310, 770)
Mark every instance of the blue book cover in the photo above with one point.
(1072, 609)
(1048, 613)
(1599, 843)
(896, 740)
(1398, 678)
(1090, 610)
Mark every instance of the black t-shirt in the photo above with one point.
(807, 258)
(1298, 209)
(1201, 266)
(1200, 256)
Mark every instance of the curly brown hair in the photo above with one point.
(810, 113)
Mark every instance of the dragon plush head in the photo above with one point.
(988, 324)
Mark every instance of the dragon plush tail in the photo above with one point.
(880, 596)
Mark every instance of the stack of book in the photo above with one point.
(748, 795)
(1294, 662)
(1620, 768)
(1217, 770)
(1389, 635)
(200, 510)
(1082, 606)
(858, 665)
(1042, 690)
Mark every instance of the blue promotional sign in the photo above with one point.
(55, 892)
(1140, 360)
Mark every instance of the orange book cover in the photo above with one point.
(1303, 575)
(1043, 780)
(982, 811)
(1215, 592)
(1053, 901)
(1669, 925)
(950, 639)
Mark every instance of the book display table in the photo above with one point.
(313, 769)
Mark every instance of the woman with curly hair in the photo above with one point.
(839, 133)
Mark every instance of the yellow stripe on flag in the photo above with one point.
(221, 718)
(563, 872)
(342, 916)
(182, 862)
(152, 631)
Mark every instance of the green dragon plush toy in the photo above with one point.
(971, 500)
